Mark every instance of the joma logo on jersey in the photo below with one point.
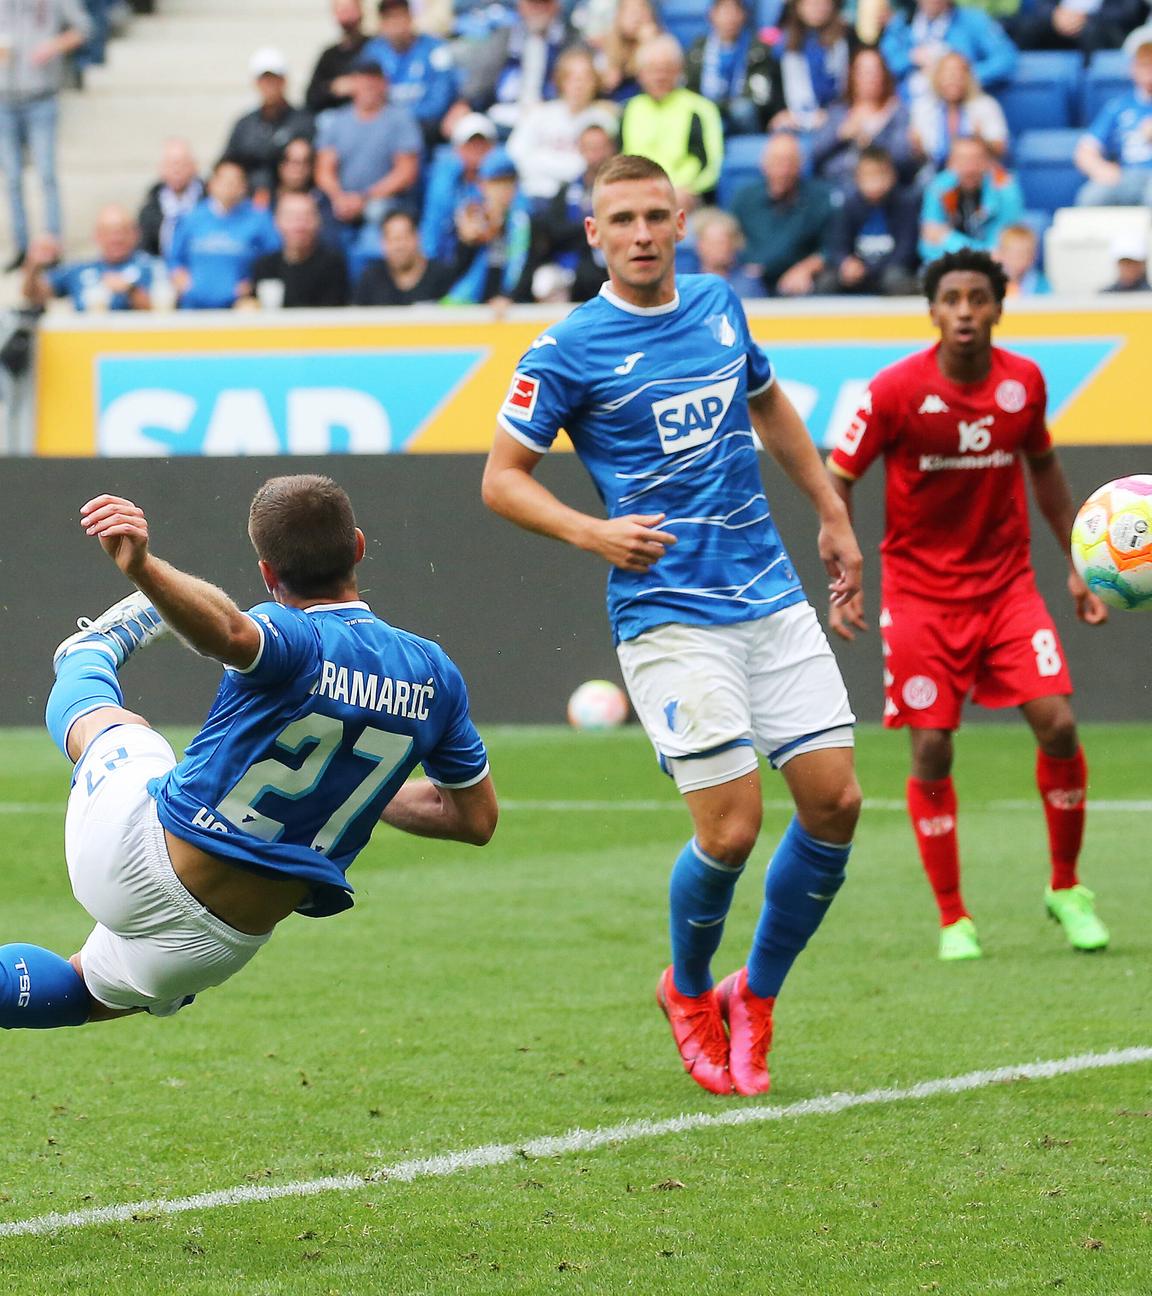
(975, 436)
(692, 418)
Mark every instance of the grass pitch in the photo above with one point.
(489, 997)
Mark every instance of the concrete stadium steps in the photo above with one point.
(182, 71)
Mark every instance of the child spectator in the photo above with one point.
(495, 238)
(1131, 257)
(1016, 250)
(215, 246)
(1116, 151)
(873, 115)
(736, 70)
(872, 241)
(969, 204)
(954, 106)
(454, 179)
(719, 243)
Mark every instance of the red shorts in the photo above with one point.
(1003, 653)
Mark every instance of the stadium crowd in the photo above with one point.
(445, 152)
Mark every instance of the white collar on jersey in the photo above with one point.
(336, 607)
(621, 304)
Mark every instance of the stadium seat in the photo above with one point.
(1106, 77)
(685, 19)
(1079, 256)
(768, 13)
(1044, 92)
(741, 164)
(1048, 176)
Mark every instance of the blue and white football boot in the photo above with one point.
(127, 626)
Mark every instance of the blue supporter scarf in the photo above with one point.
(825, 87)
(722, 75)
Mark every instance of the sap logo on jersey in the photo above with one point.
(692, 418)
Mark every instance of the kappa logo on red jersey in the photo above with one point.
(1011, 396)
(933, 404)
(521, 399)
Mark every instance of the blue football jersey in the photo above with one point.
(301, 752)
(655, 401)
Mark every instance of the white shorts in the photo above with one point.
(711, 697)
(154, 944)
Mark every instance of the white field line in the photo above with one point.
(578, 1140)
(877, 804)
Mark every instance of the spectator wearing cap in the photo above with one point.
(671, 125)
(453, 179)
(311, 274)
(1086, 25)
(177, 192)
(216, 246)
(38, 37)
(419, 68)
(494, 240)
(912, 43)
(259, 137)
(404, 276)
(968, 205)
(558, 237)
(118, 279)
(511, 69)
(543, 145)
(331, 82)
(736, 70)
(1116, 151)
(368, 153)
(1131, 256)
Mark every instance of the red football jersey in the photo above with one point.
(956, 508)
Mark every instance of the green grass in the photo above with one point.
(477, 997)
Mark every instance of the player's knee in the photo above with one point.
(1058, 737)
(833, 816)
(730, 839)
(931, 754)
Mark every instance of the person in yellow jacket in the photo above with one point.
(671, 125)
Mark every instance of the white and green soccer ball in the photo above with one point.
(597, 704)
(1112, 542)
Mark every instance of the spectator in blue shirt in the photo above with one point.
(495, 236)
(1116, 152)
(216, 245)
(1017, 249)
(718, 245)
(912, 45)
(367, 153)
(872, 240)
(453, 180)
(118, 279)
(419, 68)
(969, 204)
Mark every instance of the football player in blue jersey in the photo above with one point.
(663, 393)
(323, 712)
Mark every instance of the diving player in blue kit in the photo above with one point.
(664, 393)
(323, 712)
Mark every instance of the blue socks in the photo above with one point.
(39, 989)
(85, 680)
(802, 881)
(699, 894)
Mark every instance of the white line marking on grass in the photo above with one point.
(578, 1140)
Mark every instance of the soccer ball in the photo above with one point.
(1112, 542)
(597, 704)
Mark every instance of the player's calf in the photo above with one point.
(40, 990)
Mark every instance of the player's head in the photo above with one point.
(305, 536)
(965, 292)
(636, 224)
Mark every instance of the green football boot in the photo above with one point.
(1073, 909)
(959, 941)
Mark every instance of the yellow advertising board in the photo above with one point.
(431, 380)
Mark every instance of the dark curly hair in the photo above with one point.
(965, 259)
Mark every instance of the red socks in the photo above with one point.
(932, 808)
(1063, 784)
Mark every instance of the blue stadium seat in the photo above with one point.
(1106, 77)
(1048, 176)
(1044, 91)
(768, 13)
(686, 27)
(741, 164)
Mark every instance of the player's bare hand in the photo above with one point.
(631, 543)
(845, 619)
(1090, 609)
(121, 528)
(842, 559)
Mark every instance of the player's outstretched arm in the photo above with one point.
(510, 489)
(845, 618)
(786, 439)
(202, 615)
(1054, 500)
(455, 814)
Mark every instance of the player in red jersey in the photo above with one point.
(961, 614)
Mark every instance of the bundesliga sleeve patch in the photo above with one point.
(520, 403)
